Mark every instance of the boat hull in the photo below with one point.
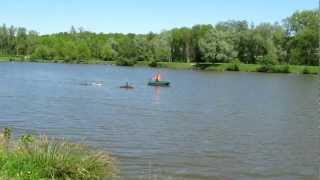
(159, 83)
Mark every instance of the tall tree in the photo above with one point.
(198, 31)
(293, 42)
(217, 46)
(303, 34)
(161, 46)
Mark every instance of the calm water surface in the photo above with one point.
(207, 125)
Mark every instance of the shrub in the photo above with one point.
(265, 68)
(39, 158)
(202, 66)
(234, 66)
(274, 69)
(306, 71)
(281, 69)
(153, 64)
(122, 61)
(268, 59)
(268, 63)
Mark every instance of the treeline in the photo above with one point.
(294, 41)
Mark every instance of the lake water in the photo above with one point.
(207, 125)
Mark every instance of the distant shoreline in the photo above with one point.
(300, 69)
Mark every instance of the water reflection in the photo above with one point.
(157, 94)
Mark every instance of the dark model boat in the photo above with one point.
(158, 83)
(127, 86)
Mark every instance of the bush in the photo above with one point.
(39, 158)
(153, 64)
(122, 61)
(265, 68)
(282, 69)
(268, 59)
(274, 69)
(234, 66)
(306, 71)
(202, 66)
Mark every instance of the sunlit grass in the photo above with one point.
(40, 158)
(243, 67)
(4, 58)
(301, 69)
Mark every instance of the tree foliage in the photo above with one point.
(217, 46)
(295, 41)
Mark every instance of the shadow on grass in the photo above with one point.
(203, 66)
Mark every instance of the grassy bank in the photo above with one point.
(21, 59)
(4, 58)
(240, 67)
(40, 158)
(188, 66)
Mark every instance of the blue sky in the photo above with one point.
(141, 16)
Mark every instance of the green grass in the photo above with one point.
(4, 58)
(142, 63)
(8, 58)
(39, 158)
(21, 59)
(242, 67)
(300, 69)
(170, 65)
(205, 66)
(91, 61)
(175, 65)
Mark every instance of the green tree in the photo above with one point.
(161, 47)
(144, 48)
(107, 53)
(216, 46)
(32, 41)
(21, 41)
(293, 42)
(4, 40)
(83, 52)
(41, 52)
(198, 32)
(303, 34)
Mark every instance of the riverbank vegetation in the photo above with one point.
(234, 66)
(40, 158)
(273, 47)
